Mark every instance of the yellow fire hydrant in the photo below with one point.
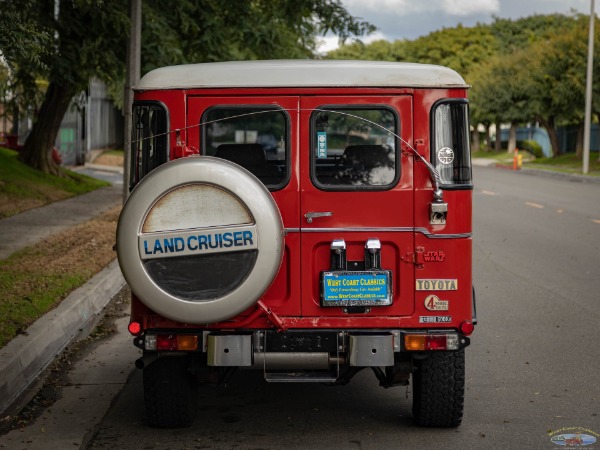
(517, 160)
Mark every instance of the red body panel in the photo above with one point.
(399, 217)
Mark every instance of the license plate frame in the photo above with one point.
(356, 288)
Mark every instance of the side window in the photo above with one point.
(149, 148)
(354, 148)
(256, 138)
(450, 152)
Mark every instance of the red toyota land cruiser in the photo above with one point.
(308, 219)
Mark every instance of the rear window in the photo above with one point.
(149, 147)
(256, 138)
(450, 151)
(354, 148)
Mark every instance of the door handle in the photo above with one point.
(312, 215)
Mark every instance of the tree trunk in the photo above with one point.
(15, 119)
(488, 138)
(498, 143)
(579, 145)
(37, 151)
(512, 138)
(550, 126)
(475, 140)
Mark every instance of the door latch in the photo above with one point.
(313, 215)
(438, 210)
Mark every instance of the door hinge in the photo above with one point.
(415, 258)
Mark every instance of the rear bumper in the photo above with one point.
(301, 348)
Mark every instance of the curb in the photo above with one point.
(24, 358)
(566, 176)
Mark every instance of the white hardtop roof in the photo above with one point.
(301, 73)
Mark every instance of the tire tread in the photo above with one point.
(439, 389)
(169, 393)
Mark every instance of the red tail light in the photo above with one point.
(135, 328)
(166, 342)
(176, 342)
(422, 342)
(467, 327)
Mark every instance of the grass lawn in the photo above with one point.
(114, 152)
(500, 156)
(567, 163)
(37, 278)
(23, 188)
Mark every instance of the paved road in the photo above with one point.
(532, 368)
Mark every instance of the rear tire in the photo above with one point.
(439, 389)
(169, 393)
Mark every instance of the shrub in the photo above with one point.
(532, 147)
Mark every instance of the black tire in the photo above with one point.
(439, 389)
(169, 393)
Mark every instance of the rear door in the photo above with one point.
(356, 191)
(233, 127)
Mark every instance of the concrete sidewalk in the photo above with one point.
(30, 227)
(26, 356)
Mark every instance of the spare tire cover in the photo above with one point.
(200, 240)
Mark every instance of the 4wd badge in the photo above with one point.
(433, 303)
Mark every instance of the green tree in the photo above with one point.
(213, 30)
(460, 48)
(558, 72)
(513, 35)
(502, 91)
(88, 39)
(380, 50)
(524, 81)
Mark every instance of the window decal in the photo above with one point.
(321, 144)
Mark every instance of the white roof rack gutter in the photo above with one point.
(301, 73)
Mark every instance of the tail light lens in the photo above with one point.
(166, 342)
(171, 342)
(421, 342)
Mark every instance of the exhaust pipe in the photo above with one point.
(295, 360)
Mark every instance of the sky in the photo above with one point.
(409, 19)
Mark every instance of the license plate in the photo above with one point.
(356, 288)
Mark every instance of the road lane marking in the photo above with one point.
(595, 220)
(534, 205)
(559, 211)
(488, 193)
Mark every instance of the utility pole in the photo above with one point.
(588, 93)
(133, 76)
